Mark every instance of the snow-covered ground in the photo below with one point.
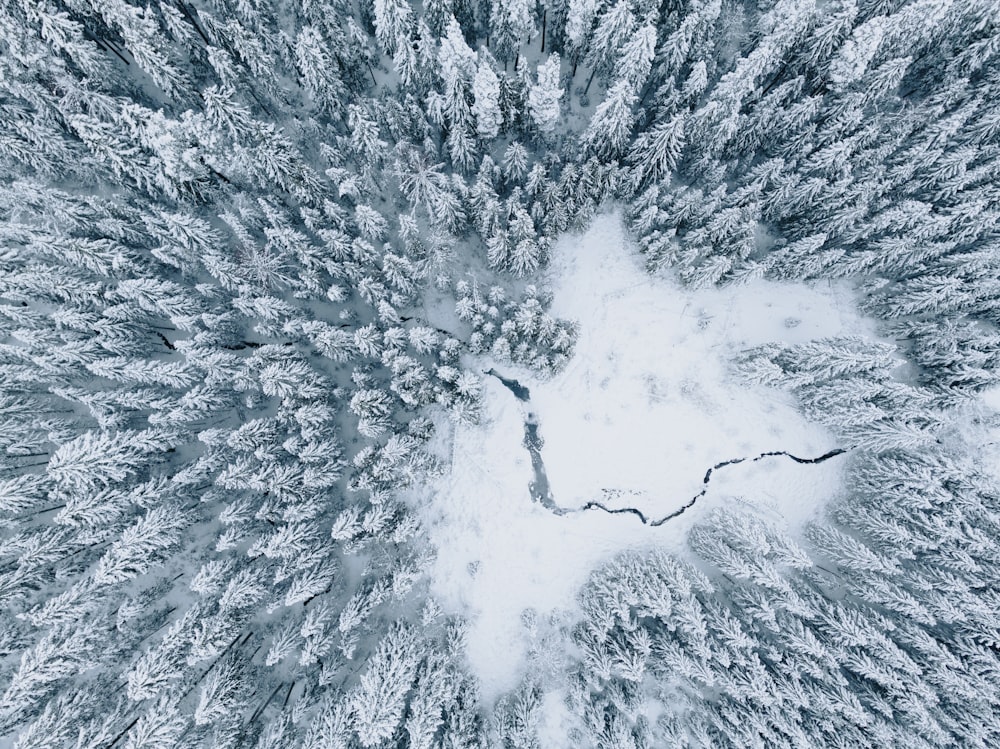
(645, 407)
(980, 426)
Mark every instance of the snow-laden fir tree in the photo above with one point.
(219, 227)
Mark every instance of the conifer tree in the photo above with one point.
(486, 106)
(220, 225)
(544, 96)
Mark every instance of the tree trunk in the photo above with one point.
(124, 731)
(190, 17)
(39, 512)
(267, 702)
(774, 81)
(219, 658)
(108, 45)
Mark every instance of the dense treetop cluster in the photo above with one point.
(221, 226)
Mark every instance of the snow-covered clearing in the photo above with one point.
(646, 405)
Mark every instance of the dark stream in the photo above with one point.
(541, 493)
(539, 488)
(520, 391)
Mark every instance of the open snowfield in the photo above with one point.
(644, 408)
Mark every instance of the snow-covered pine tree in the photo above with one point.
(544, 97)
(486, 95)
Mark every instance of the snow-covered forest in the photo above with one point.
(521, 374)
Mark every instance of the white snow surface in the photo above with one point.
(646, 405)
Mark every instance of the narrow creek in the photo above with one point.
(542, 493)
